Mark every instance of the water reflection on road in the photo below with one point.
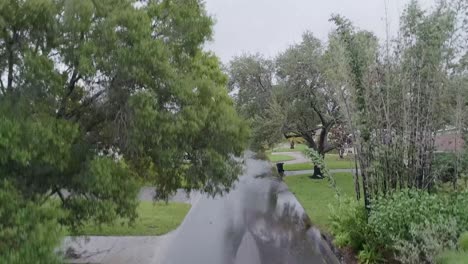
(259, 221)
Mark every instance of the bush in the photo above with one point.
(412, 225)
(348, 223)
(427, 241)
(29, 232)
(368, 255)
(444, 166)
(392, 217)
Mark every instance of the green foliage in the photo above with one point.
(369, 256)
(134, 95)
(412, 225)
(463, 242)
(28, 230)
(251, 77)
(427, 240)
(348, 223)
(266, 126)
(444, 166)
(96, 96)
(318, 160)
(393, 217)
(153, 219)
(286, 97)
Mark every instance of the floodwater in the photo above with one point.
(259, 222)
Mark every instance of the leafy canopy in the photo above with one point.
(96, 94)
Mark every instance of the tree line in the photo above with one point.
(389, 98)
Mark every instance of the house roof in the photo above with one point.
(448, 142)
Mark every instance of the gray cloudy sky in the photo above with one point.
(270, 26)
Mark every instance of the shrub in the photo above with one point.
(444, 166)
(412, 225)
(463, 242)
(348, 223)
(29, 232)
(368, 255)
(392, 217)
(427, 241)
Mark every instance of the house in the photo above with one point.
(448, 140)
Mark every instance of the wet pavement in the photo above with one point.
(259, 222)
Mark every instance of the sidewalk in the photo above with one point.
(125, 249)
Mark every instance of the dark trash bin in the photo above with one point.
(280, 168)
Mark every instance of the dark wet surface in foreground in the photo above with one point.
(258, 222)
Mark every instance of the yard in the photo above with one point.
(279, 157)
(332, 161)
(297, 148)
(153, 219)
(316, 195)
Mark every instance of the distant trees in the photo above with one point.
(388, 100)
(396, 98)
(291, 93)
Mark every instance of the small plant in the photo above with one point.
(369, 256)
(349, 223)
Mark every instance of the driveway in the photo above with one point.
(259, 222)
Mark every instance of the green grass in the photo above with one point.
(276, 158)
(316, 195)
(153, 219)
(298, 166)
(297, 148)
(332, 162)
(453, 257)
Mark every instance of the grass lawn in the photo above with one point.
(316, 195)
(332, 162)
(453, 257)
(297, 148)
(153, 219)
(276, 158)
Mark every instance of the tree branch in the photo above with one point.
(10, 60)
(86, 103)
(316, 110)
(71, 87)
(2, 87)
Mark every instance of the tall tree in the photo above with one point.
(95, 94)
(251, 81)
(307, 100)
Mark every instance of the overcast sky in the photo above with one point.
(270, 26)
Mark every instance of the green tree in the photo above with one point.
(311, 111)
(95, 94)
(251, 81)
(287, 97)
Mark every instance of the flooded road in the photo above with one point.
(258, 222)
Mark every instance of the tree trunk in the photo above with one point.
(292, 144)
(341, 151)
